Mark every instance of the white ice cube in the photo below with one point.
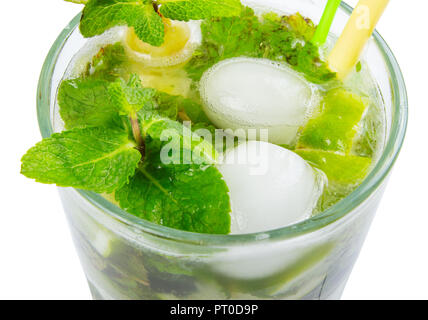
(270, 187)
(247, 93)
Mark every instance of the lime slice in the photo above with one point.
(336, 126)
(344, 169)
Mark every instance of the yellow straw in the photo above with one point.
(351, 43)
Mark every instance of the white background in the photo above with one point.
(37, 258)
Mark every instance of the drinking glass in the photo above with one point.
(125, 257)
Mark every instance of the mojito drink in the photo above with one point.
(204, 158)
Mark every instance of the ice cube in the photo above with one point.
(270, 187)
(245, 93)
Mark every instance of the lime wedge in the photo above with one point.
(346, 169)
(336, 125)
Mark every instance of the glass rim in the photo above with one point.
(336, 212)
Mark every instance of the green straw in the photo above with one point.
(324, 26)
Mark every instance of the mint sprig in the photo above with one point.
(116, 133)
(145, 16)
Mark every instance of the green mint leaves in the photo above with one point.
(108, 64)
(126, 140)
(186, 10)
(278, 38)
(101, 15)
(226, 38)
(97, 159)
(145, 16)
(86, 102)
(185, 197)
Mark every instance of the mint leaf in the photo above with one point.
(108, 64)
(184, 145)
(185, 197)
(86, 102)
(129, 97)
(97, 159)
(101, 15)
(226, 38)
(186, 10)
